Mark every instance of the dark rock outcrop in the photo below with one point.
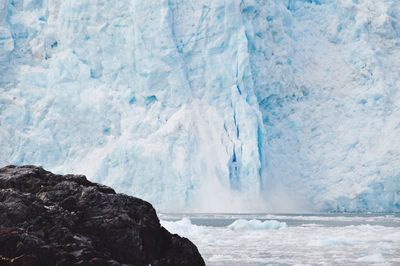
(48, 219)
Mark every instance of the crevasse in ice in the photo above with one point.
(208, 105)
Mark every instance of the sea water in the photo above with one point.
(291, 239)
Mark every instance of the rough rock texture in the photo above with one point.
(48, 219)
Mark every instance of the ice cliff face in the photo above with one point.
(154, 99)
(208, 105)
(326, 78)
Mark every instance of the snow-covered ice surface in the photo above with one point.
(302, 240)
(208, 105)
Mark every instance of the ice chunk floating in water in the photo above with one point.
(208, 105)
(253, 224)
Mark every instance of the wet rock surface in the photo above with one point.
(48, 219)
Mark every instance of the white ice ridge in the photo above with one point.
(208, 105)
(244, 225)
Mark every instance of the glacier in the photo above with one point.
(208, 105)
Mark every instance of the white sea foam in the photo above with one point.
(252, 242)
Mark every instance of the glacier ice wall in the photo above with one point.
(154, 99)
(208, 105)
(327, 81)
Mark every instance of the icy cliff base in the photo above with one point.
(208, 105)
